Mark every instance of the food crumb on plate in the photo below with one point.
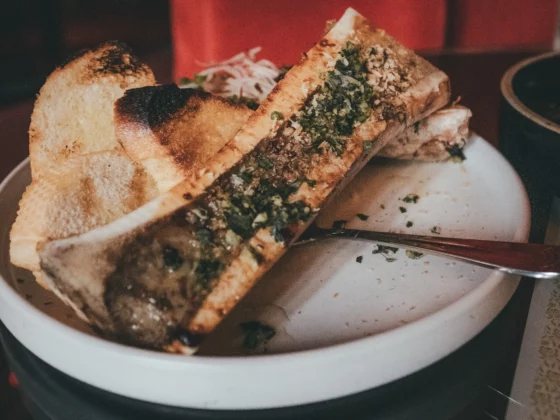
(414, 255)
(257, 334)
(411, 198)
(436, 230)
(339, 224)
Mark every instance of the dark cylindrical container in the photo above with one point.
(530, 130)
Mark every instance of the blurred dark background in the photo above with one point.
(35, 35)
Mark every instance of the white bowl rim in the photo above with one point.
(331, 351)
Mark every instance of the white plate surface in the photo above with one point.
(342, 326)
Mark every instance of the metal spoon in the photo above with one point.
(530, 260)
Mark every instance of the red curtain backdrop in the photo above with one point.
(213, 30)
(210, 30)
(502, 24)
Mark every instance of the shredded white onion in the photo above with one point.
(240, 75)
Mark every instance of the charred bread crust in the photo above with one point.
(116, 58)
(88, 83)
(154, 106)
(174, 131)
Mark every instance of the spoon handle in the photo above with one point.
(530, 260)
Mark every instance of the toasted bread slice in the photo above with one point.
(82, 193)
(173, 132)
(74, 108)
(438, 137)
(166, 274)
(81, 176)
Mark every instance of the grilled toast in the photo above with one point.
(74, 110)
(173, 132)
(82, 178)
(167, 273)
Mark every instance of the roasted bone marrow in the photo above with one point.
(169, 281)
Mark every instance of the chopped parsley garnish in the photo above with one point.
(265, 163)
(359, 259)
(367, 144)
(276, 115)
(416, 127)
(204, 236)
(411, 198)
(413, 254)
(233, 210)
(385, 249)
(436, 230)
(242, 224)
(409, 224)
(206, 270)
(246, 176)
(339, 224)
(310, 182)
(402, 209)
(390, 260)
(332, 112)
(256, 334)
(199, 79)
(267, 206)
(171, 258)
(297, 183)
(242, 100)
(362, 216)
(456, 153)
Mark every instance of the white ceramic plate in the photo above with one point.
(342, 326)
